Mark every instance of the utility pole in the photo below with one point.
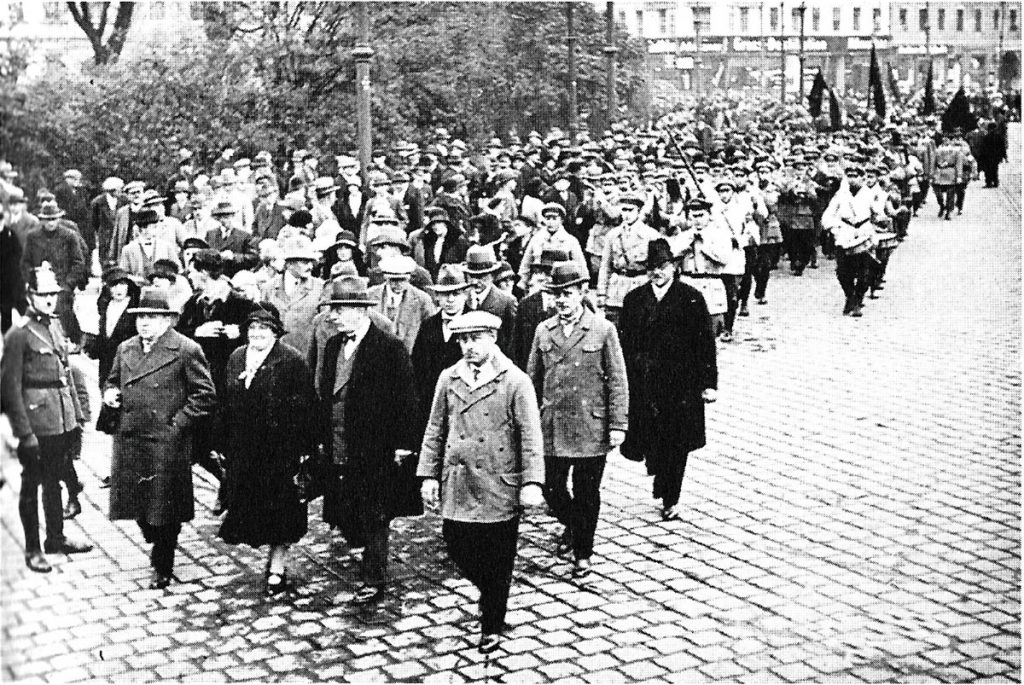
(928, 37)
(701, 15)
(609, 59)
(782, 53)
(362, 53)
(803, 10)
(573, 124)
(999, 57)
(761, 40)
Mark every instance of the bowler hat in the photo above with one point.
(49, 210)
(549, 256)
(658, 253)
(474, 322)
(349, 291)
(391, 235)
(480, 260)
(300, 218)
(268, 316)
(153, 301)
(196, 242)
(450, 279)
(564, 275)
(299, 247)
(116, 274)
(347, 239)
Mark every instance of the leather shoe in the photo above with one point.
(37, 562)
(857, 312)
(744, 311)
(581, 569)
(72, 509)
(67, 547)
(280, 586)
(564, 544)
(105, 482)
(159, 581)
(489, 643)
(367, 594)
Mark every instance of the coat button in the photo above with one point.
(481, 439)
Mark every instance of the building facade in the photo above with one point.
(972, 44)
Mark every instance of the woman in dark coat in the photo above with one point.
(672, 370)
(120, 293)
(267, 408)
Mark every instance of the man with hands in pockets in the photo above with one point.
(482, 457)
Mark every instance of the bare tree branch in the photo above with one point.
(103, 20)
(104, 53)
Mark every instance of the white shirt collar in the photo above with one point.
(659, 292)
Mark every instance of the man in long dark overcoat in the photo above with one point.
(161, 383)
(669, 348)
(368, 407)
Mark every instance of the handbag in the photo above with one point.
(108, 420)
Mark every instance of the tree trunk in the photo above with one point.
(109, 51)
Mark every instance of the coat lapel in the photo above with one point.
(164, 352)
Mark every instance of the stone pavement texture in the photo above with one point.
(855, 517)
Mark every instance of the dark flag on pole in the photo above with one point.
(816, 95)
(928, 106)
(958, 114)
(894, 88)
(875, 92)
(834, 115)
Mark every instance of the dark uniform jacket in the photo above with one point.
(39, 395)
(243, 245)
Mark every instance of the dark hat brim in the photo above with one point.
(554, 288)
(470, 271)
(452, 288)
(152, 310)
(348, 303)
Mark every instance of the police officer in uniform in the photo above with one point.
(40, 400)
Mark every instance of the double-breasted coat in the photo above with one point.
(582, 386)
(431, 355)
(270, 425)
(163, 394)
(244, 248)
(380, 401)
(414, 307)
(483, 442)
(669, 350)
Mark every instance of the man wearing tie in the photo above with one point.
(368, 395)
(481, 266)
(404, 305)
(577, 368)
(238, 248)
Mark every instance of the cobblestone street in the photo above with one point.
(856, 515)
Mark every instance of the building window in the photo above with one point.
(1013, 20)
(977, 21)
(744, 20)
(941, 21)
(856, 19)
(773, 19)
(663, 22)
(876, 20)
(54, 12)
(922, 20)
(640, 22)
(816, 19)
(959, 20)
(995, 20)
(903, 20)
(836, 15)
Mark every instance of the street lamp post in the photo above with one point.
(701, 16)
(362, 53)
(609, 56)
(802, 9)
(573, 124)
(782, 53)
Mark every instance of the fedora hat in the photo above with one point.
(504, 273)
(658, 252)
(549, 256)
(42, 280)
(480, 260)
(153, 301)
(391, 235)
(473, 322)
(299, 247)
(116, 274)
(223, 208)
(401, 267)
(565, 275)
(147, 217)
(349, 291)
(450, 279)
(49, 210)
(324, 186)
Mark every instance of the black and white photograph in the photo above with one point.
(590, 341)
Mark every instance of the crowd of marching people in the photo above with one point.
(466, 329)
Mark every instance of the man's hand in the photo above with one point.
(232, 331)
(709, 395)
(616, 438)
(429, 492)
(112, 398)
(28, 449)
(210, 329)
(531, 495)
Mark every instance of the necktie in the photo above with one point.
(476, 373)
